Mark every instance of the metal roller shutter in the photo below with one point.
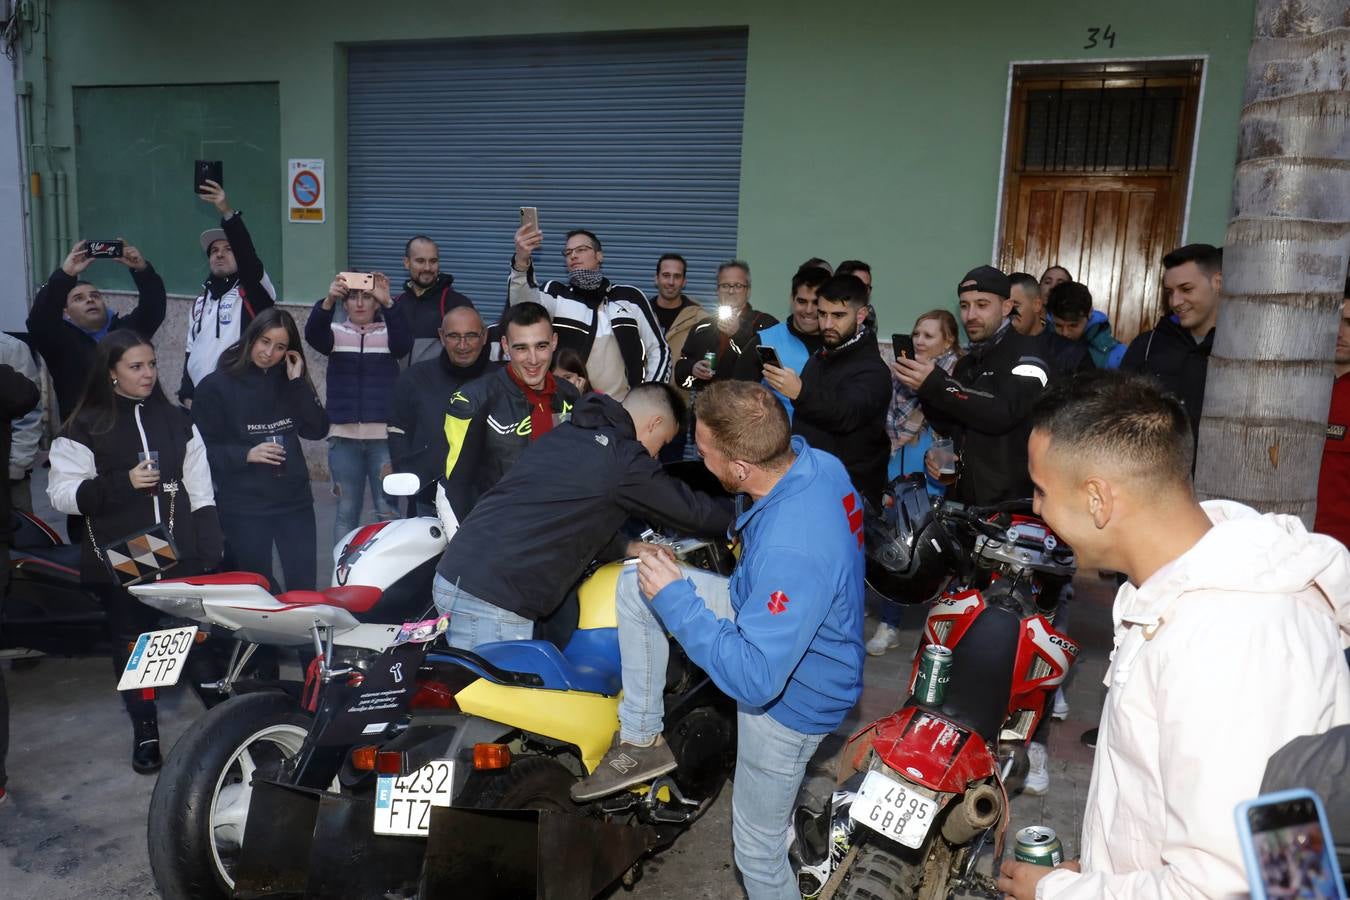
(634, 136)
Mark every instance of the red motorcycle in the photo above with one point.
(924, 789)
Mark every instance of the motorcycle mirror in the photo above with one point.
(401, 484)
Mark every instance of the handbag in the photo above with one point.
(143, 555)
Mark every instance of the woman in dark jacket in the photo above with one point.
(104, 468)
(252, 412)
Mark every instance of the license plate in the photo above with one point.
(403, 802)
(157, 658)
(894, 809)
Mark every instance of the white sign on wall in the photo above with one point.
(305, 190)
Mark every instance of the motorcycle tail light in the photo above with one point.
(389, 762)
(434, 695)
(363, 758)
(491, 756)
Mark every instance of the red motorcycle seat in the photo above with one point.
(354, 598)
(221, 578)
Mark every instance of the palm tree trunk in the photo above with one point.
(1285, 257)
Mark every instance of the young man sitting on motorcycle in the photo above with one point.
(1227, 643)
(783, 636)
(529, 539)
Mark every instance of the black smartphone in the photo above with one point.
(104, 249)
(207, 170)
(768, 356)
(903, 345)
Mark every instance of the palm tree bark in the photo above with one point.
(1285, 258)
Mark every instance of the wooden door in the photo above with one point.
(1098, 162)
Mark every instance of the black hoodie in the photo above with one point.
(424, 313)
(530, 537)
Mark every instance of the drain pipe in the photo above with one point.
(63, 239)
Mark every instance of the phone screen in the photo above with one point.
(903, 345)
(1293, 856)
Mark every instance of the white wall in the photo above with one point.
(14, 282)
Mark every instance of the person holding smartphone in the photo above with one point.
(252, 412)
(126, 460)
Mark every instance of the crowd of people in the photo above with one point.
(806, 416)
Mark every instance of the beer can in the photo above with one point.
(1039, 845)
(711, 359)
(935, 670)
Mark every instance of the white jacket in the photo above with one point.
(1221, 658)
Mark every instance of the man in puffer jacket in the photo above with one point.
(1228, 643)
(1070, 306)
(363, 354)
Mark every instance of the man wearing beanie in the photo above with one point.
(236, 289)
(984, 405)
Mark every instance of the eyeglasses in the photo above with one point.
(456, 338)
(573, 251)
(732, 287)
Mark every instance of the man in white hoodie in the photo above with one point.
(1228, 643)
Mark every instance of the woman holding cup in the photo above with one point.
(252, 412)
(127, 460)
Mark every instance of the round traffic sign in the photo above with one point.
(305, 188)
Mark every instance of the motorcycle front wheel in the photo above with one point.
(200, 803)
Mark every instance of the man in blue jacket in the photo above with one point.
(783, 636)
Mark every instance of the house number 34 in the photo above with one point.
(1100, 36)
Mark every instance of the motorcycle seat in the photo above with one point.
(354, 598)
(61, 561)
(240, 578)
(559, 673)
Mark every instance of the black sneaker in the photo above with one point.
(624, 766)
(1089, 738)
(145, 757)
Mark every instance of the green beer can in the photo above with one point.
(935, 670)
(1039, 845)
(711, 359)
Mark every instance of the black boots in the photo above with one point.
(145, 747)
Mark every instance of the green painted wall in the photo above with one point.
(873, 129)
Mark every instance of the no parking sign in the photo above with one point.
(305, 191)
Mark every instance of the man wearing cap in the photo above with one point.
(235, 291)
(984, 405)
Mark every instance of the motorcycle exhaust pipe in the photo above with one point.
(980, 808)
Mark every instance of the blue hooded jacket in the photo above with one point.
(795, 648)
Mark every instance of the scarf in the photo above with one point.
(905, 420)
(540, 401)
(586, 279)
(828, 352)
(978, 348)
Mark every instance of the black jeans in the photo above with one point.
(249, 539)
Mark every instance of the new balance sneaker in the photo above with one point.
(883, 639)
(1061, 707)
(1038, 776)
(624, 766)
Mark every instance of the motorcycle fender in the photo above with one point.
(932, 751)
(446, 737)
(586, 721)
(856, 750)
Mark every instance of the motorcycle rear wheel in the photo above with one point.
(200, 803)
(884, 870)
(535, 782)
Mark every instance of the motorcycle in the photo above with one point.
(45, 609)
(381, 578)
(923, 790)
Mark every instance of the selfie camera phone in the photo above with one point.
(207, 170)
(725, 312)
(104, 249)
(358, 281)
(768, 355)
(529, 215)
(903, 345)
(1287, 847)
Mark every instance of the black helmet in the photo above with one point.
(909, 552)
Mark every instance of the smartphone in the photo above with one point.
(207, 170)
(903, 345)
(529, 215)
(725, 312)
(768, 355)
(359, 281)
(104, 249)
(1287, 847)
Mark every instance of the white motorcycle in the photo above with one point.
(381, 580)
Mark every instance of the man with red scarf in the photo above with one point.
(490, 420)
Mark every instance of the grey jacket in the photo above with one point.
(25, 432)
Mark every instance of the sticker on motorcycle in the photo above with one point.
(157, 659)
(403, 802)
(893, 809)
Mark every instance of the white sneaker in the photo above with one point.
(1038, 776)
(883, 639)
(1060, 710)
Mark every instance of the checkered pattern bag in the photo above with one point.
(143, 555)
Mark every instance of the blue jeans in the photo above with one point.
(770, 757)
(473, 621)
(353, 463)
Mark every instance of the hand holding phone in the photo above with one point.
(104, 249)
(205, 170)
(1287, 847)
(903, 345)
(768, 356)
(358, 281)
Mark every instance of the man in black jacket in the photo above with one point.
(1176, 351)
(1065, 357)
(428, 297)
(560, 506)
(69, 317)
(840, 400)
(417, 420)
(985, 403)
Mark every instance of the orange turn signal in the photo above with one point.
(363, 758)
(491, 756)
(200, 637)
